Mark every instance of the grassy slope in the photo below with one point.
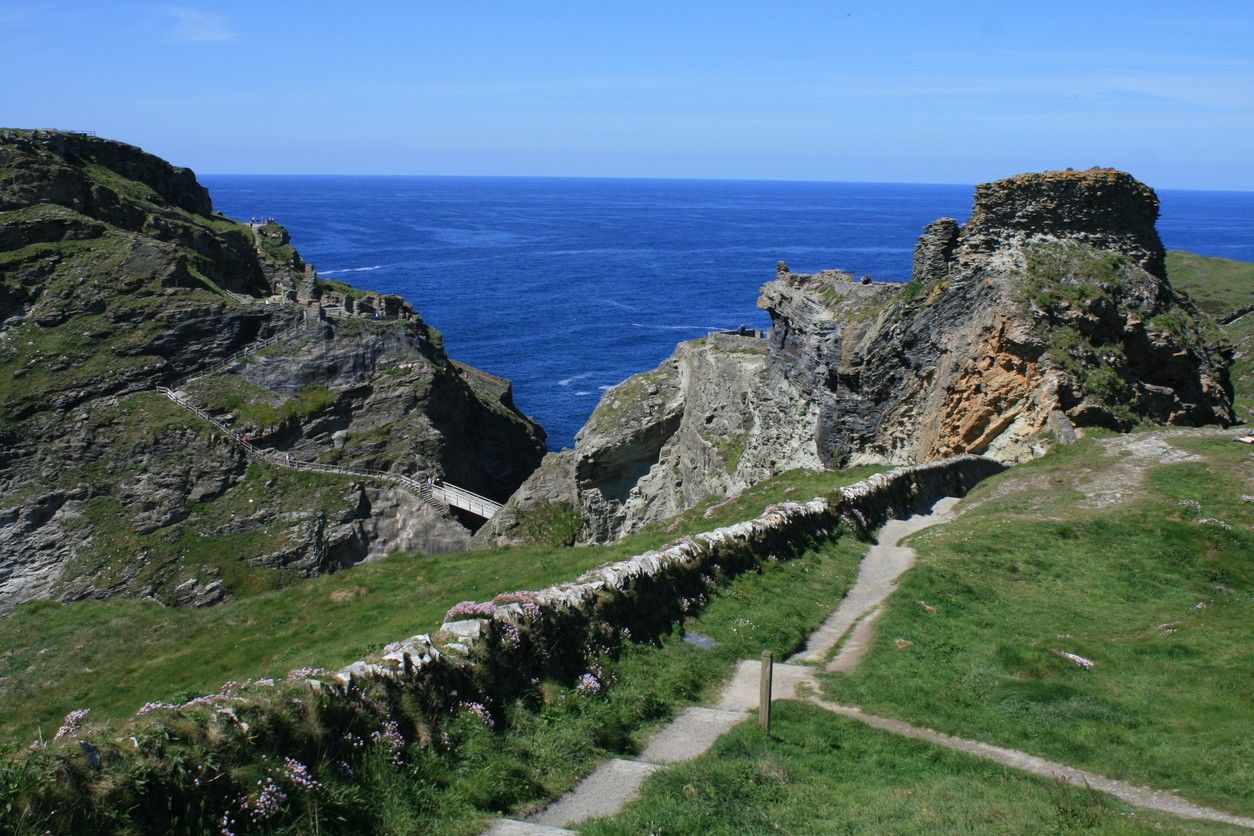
(541, 745)
(113, 656)
(1216, 285)
(819, 773)
(1157, 598)
(540, 754)
(1220, 286)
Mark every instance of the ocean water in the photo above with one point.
(568, 286)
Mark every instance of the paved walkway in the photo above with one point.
(617, 782)
(877, 579)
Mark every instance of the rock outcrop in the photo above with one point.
(711, 420)
(1048, 311)
(116, 276)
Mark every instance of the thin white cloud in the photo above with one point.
(196, 26)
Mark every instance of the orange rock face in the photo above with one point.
(992, 389)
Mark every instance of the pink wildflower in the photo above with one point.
(69, 728)
(299, 775)
(390, 736)
(268, 802)
(469, 609)
(149, 707)
(481, 712)
(588, 684)
(510, 637)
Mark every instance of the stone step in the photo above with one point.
(514, 827)
(603, 793)
(741, 694)
(690, 734)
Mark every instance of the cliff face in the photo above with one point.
(710, 420)
(116, 277)
(1048, 311)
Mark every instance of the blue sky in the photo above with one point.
(879, 91)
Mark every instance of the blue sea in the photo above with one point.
(568, 286)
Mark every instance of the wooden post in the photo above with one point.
(764, 693)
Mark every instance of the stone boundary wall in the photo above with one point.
(201, 762)
(490, 651)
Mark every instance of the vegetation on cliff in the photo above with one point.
(1037, 290)
(1130, 551)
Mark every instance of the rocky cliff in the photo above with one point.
(116, 276)
(1047, 312)
(710, 420)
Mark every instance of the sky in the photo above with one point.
(921, 92)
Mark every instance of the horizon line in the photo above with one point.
(672, 179)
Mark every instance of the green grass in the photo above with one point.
(1241, 334)
(115, 655)
(550, 523)
(820, 773)
(1159, 599)
(337, 286)
(1220, 286)
(252, 404)
(1216, 285)
(544, 753)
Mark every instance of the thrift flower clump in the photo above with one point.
(469, 609)
(299, 775)
(268, 802)
(149, 707)
(70, 727)
(481, 712)
(390, 736)
(530, 609)
(510, 637)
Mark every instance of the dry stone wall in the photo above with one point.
(487, 651)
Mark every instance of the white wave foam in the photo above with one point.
(351, 270)
(658, 327)
(566, 381)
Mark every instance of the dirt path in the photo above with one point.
(1144, 797)
(1116, 475)
(877, 579)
